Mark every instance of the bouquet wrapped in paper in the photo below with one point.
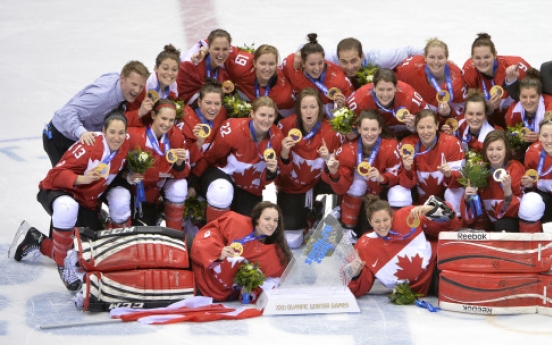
(249, 277)
(139, 161)
(236, 106)
(475, 171)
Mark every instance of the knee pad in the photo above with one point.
(454, 197)
(65, 212)
(399, 196)
(118, 200)
(220, 193)
(176, 190)
(531, 207)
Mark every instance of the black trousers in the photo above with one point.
(56, 146)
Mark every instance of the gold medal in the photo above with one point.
(532, 173)
(443, 96)
(103, 169)
(269, 154)
(499, 174)
(453, 124)
(523, 132)
(205, 130)
(364, 168)
(227, 86)
(401, 114)
(332, 92)
(238, 248)
(412, 222)
(171, 156)
(497, 90)
(153, 95)
(407, 150)
(295, 134)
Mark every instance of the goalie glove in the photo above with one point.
(441, 212)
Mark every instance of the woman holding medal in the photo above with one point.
(397, 249)
(308, 142)
(436, 79)
(242, 159)
(70, 194)
(531, 106)
(474, 126)
(327, 77)
(200, 123)
(495, 206)
(367, 165)
(397, 102)
(258, 75)
(535, 206)
(488, 72)
(170, 167)
(431, 162)
(160, 85)
(213, 55)
(221, 245)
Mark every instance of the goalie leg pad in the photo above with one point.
(131, 248)
(103, 291)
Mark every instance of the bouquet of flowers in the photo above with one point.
(402, 294)
(236, 106)
(180, 106)
(139, 161)
(366, 74)
(249, 276)
(475, 170)
(195, 209)
(343, 120)
(247, 48)
(513, 134)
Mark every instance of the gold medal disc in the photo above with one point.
(238, 248)
(497, 90)
(171, 156)
(227, 86)
(153, 95)
(443, 96)
(453, 124)
(269, 154)
(401, 114)
(103, 169)
(295, 134)
(412, 222)
(499, 174)
(205, 131)
(532, 173)
(332, 92)
(364, 168)
(407, 150)
(523, 132)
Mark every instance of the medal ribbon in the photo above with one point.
(319, 83)
(268, 146)
(249, 238)
(267, 88)
(313, 131)
(373, 154)
(483, 85)
(381, 107)
(448, 81)
(418, 145)
(155, 143)
(395, 236)
(541, 165)
(208, 68)
(166, 92)
(529, 123)
(203, 119)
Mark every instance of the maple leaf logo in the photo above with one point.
(252, 176)
(409, 268)
(430, 184)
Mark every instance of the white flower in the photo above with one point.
(143, 157)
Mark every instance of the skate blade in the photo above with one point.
(19, 236)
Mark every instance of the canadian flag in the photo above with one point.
(194, 309)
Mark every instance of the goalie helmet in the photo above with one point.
(441, 211)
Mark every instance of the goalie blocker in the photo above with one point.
(138, 289)
(131, 248)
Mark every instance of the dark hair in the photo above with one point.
(426, 113)
(372, 204)
(435, 42)
(211, 86)
(114, 115)
(219, 33)
(372, 114)
(483, 40)
(135, 66)
(476, 96)
(163, 103)
(312, 47)
(266, 49)
(350, 43)
(493, 136)
(278, 237)
(531, 80)
(308, 91)
(384, 74)
(169, 52)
